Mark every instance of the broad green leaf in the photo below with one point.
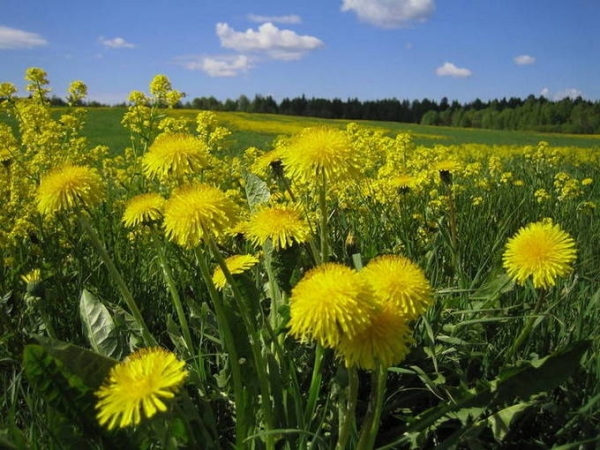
(257, 191)
(501, 421)
(99, 326)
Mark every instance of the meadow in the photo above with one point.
(189, 279)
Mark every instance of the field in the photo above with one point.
(187, 279)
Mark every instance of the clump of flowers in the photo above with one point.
(68, 187)
(540, 251)
(137, 387)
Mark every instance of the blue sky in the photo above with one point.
(368, 49)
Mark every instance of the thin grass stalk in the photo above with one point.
(315, 384)
(370, 425)
(175, 298)
(349, 411)
(529, 324)
(261, 365)
(241, 427)
(118, 279)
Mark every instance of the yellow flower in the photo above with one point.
(331, 301)
(317, 150)
(236, 264)
(283, 225)
(540, 250)
(137, 386)
(384, 341)
(175, 155)
(68, 187)
(143, 209)
(195, 210)
(397, 280)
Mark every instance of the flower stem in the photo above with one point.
(118, 279)
(370, 425)
(315, 384)
(528, 325)
(349, 417)
(323, 211)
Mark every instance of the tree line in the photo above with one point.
(568, 115)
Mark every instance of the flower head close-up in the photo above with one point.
(397, 280)
(540, 251)
(143, 209)
(137, 387)
(236, 264)
(282, 225)
(69, 187)
(195, 210)
(330, 302)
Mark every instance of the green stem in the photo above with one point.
(323, 211)
(370, 425)
(118, 279)
(254, 339)
(349, 417)
(528, 325)
(241, 427)
(315, 384)
(176, 299)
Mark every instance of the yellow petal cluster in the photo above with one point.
(143, 209)
(282, 225)
(236, 264)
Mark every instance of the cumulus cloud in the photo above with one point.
(291, 18)
(268, 40)
(390, 13)
(12, 38)
(117, 42)
(450, 70)
(219, 66)
(571, 93)
(524, 60)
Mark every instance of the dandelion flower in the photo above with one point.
(282, 225)
(236, 264)
(316, 150)
(175, 155)
(32, 277)
(138, 386)
(384, 341)
(195, 210)
(143, 209)
(397, 280)
(68, 187)
(540, 250)
(331, 301)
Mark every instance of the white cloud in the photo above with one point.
(291, 18)
(450, 70)
(269, 40)
(390, 13)
(219, 66)
(11, 38)
(524, 60)
(571, 93)
(545, 92)
(117, 42)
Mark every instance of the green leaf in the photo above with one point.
(501, 421)
(99, 327)
(257, 191)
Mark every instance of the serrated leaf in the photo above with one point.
(99, 326)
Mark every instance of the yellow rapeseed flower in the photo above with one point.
(143, 209)
(68, 187)
(195, 210)
(174, 156)
(136, 387)
(385, 341)
(331, 301)
(236, 264)
(540, 250)
(282, 225)
(316, 150)
(397, 280)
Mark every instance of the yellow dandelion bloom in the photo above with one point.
(397, 280)
(175, 155)
(282, 225)
(540, 250)
(385, 341)
(68, 187)
(137, 387)
(316, 150)
(236, 264)
(195, 210)
(143, 209)
(331, 301)
(32, 277)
